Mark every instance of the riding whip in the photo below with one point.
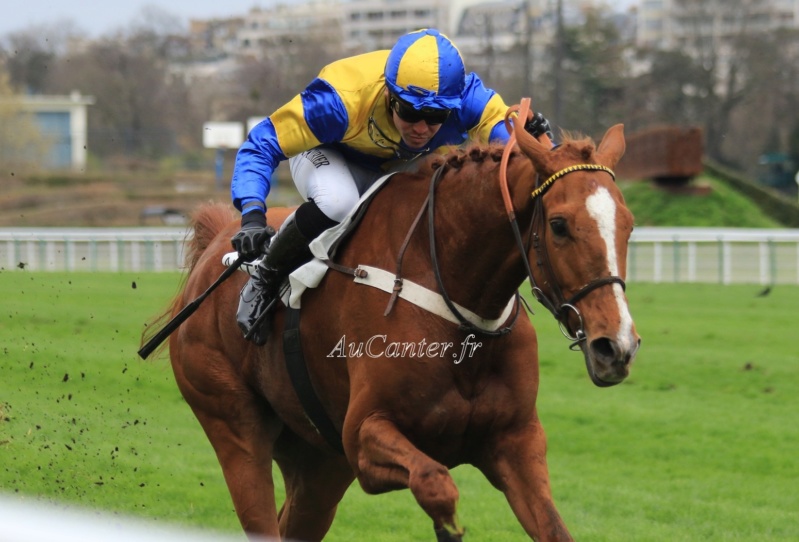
(187, 311)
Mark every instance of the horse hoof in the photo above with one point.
(445, 535)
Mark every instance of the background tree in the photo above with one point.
(30, 54)
(21, 142)
(716, 34)
(763, 122)
(128, 88)
(665, 92)
(591, 75)
(141, 108)
(281, 70)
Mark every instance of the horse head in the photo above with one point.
(578, 250)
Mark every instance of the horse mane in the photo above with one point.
(574, 146)
(206, 221)
(473, 154)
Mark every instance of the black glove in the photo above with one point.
(254, 237)
(538, 126)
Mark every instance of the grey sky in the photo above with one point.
(99, 17)
(104, 16)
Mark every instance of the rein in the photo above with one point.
(464, 323)
(428, 207)
(558, 305)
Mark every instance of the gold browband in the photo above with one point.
(557, 175)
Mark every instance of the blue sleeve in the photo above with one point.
(483, 110)
(317, 115)
(324, 111)
(256, 161)
(499, 133)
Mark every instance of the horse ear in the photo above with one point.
(528, 144)
(612, 146)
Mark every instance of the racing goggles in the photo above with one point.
(407, 113)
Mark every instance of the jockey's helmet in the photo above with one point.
(426, 70)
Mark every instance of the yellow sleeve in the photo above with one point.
(293, 133)
(493, 114)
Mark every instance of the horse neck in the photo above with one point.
(480, 264)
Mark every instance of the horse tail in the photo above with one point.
(206, 223)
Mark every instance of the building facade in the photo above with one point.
(671, 24)
(279, 27)
(368, 25)
(62, 120)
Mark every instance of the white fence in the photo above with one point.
(719, 255)
(92, 249)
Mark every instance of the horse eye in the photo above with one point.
(559, 227)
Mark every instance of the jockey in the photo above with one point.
(361, 118)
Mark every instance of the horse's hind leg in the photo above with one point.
(247, 467)
(242, 429)
(515, 463)
(387, 460)
(315, 484)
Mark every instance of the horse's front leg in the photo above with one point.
(384, 459)
(515, 463)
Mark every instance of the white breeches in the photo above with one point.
(335, 184)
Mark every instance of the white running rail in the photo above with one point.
(714, 255)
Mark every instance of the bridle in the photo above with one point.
(556, 303)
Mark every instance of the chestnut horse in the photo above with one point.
(411, 393)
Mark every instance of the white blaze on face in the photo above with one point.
(602, 208)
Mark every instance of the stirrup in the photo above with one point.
(248, 267)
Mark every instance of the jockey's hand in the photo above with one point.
(538, 126)
(254, 237)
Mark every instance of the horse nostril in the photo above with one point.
(604, 349)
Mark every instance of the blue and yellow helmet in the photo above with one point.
(426, 70)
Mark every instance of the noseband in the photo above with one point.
(556, 303)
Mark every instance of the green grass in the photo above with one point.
(698, 444)
(86, 421)
(722, 207)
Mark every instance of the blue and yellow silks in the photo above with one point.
(335, 109)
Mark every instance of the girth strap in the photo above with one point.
(301, 380)
(431, 301)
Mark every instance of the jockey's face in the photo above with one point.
(415, 135)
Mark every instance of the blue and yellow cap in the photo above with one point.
(426, 70)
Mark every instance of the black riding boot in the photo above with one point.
(288, 251)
